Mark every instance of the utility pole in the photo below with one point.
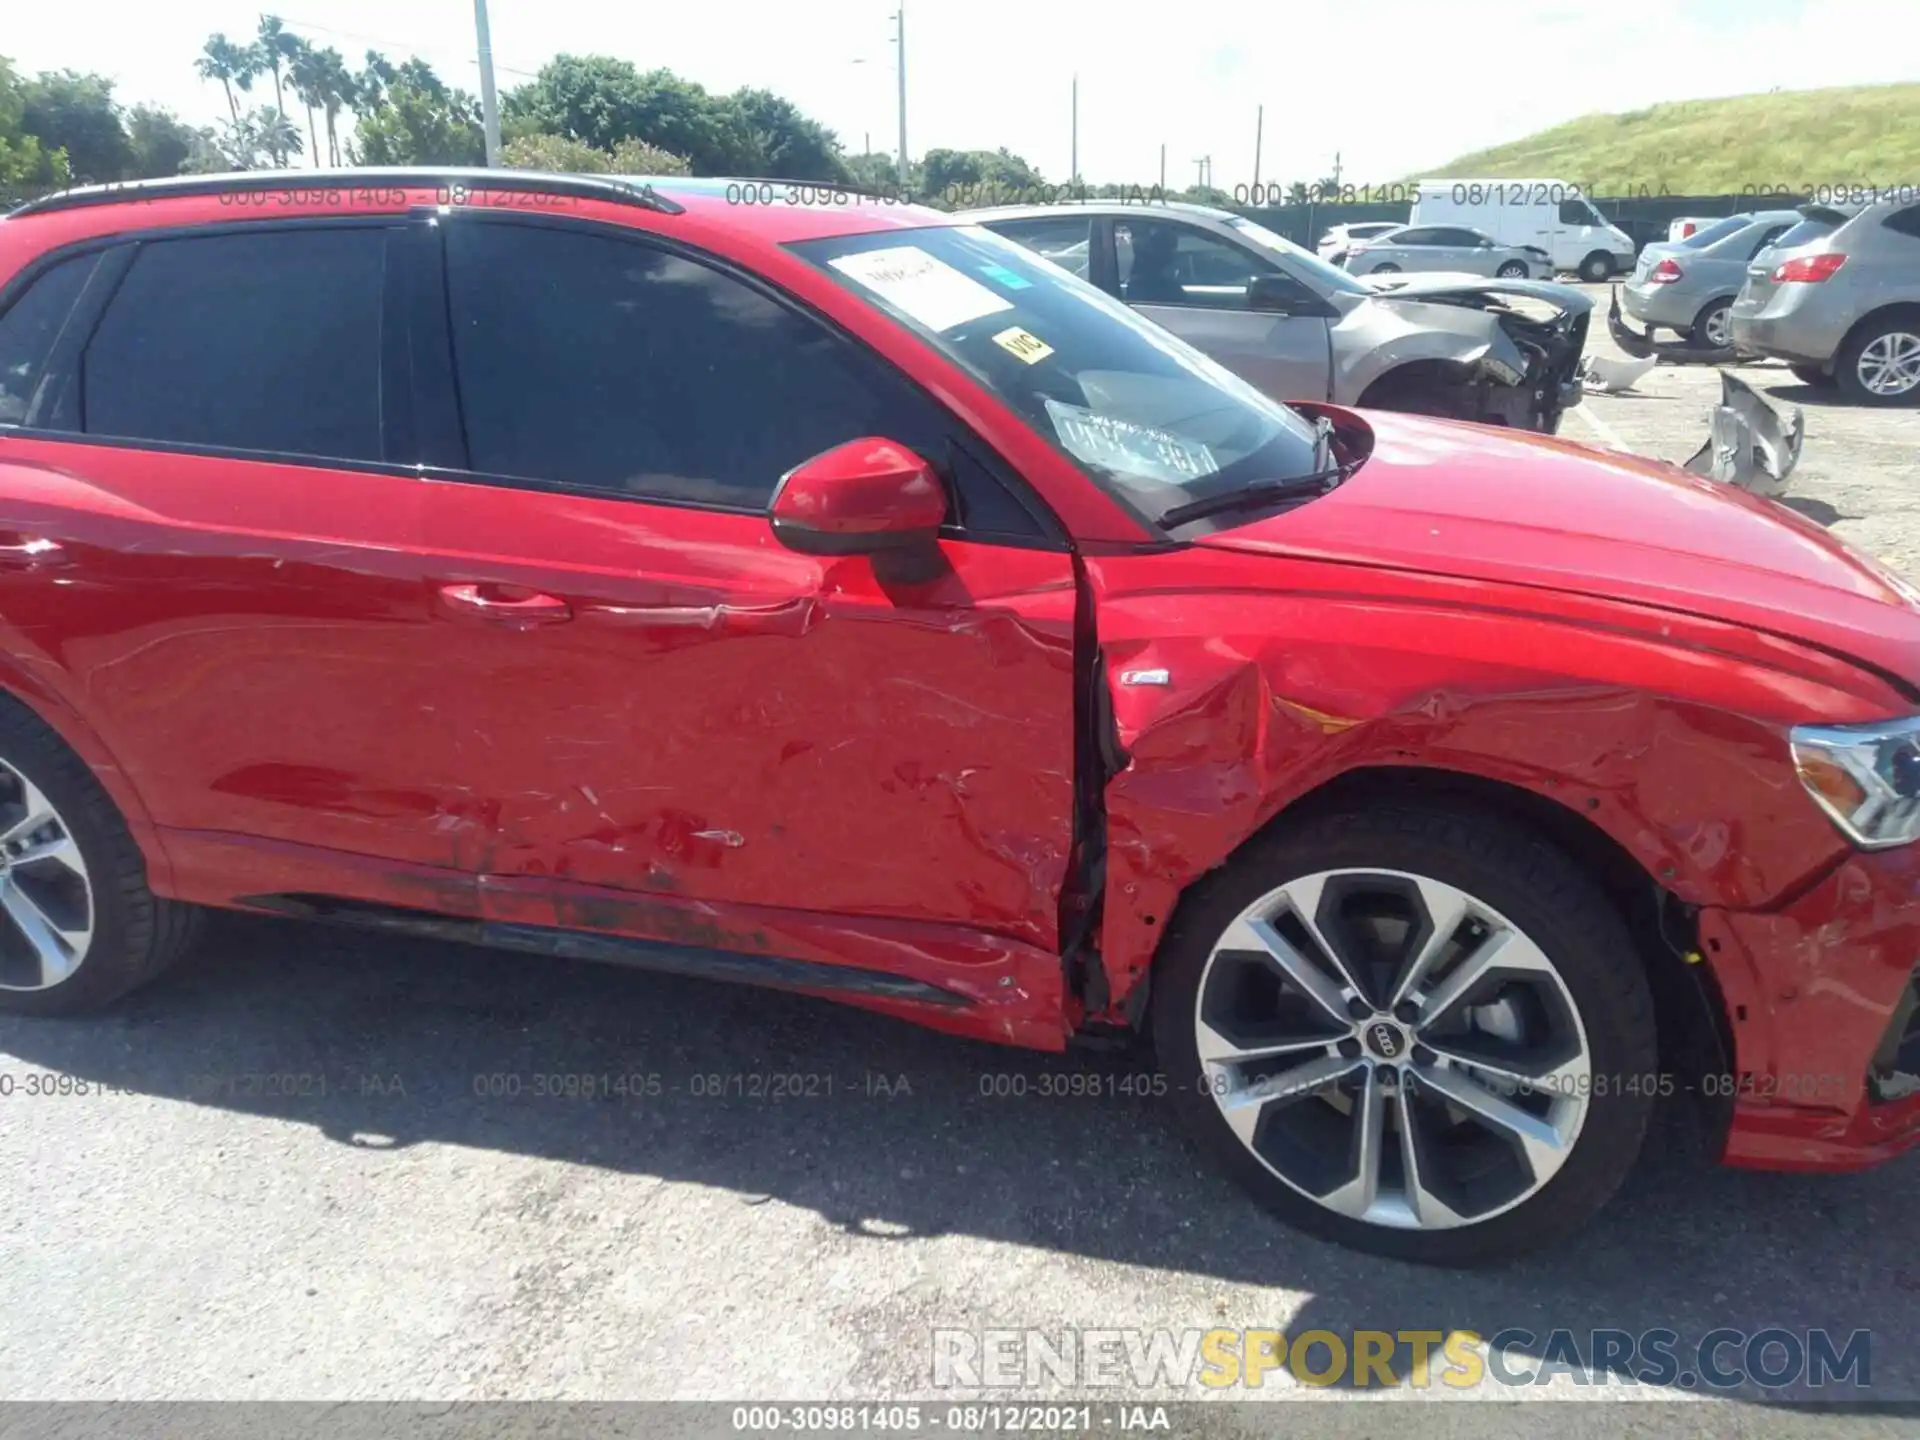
(1074, 177)
(1259, 124)
(1336, 169)
(900, 39)
(1163, 167)
(489, 99)
(1204, 166)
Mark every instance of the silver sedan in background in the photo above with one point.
(1336, 242)
(1451, 249)
(1689, 285)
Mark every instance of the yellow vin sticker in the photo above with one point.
(1022, 345)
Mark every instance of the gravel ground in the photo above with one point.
(382, 1223)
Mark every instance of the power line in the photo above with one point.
(404, 46)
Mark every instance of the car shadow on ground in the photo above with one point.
(1818, 511)
(898, 1134)
(1789, 391)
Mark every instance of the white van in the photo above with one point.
(1551, 214)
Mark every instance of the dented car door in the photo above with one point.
(675, 727)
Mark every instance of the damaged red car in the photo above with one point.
(798, 589)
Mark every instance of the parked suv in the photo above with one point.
(842, 598)
(1844, 308)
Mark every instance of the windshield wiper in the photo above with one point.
(1326, 474)
(1253, 497)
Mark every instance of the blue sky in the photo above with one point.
(1394, 85)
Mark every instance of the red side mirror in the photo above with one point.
(866, 495)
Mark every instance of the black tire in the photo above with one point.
(1846, 364)
(1709, 312)
(136, 935)
(1596, 267)
(1812, 375)
(1526, 879)
(1389, 268)
(1513, 270)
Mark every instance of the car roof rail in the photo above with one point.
(586, 187)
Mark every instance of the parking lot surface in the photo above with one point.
(334, 1165)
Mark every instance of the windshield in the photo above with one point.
(1719, 230)
(1141, 413)
(1330, 276)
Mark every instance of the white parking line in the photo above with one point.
(1606, 432)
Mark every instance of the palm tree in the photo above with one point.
(339, 90)
(305, 74)
(228, 63)
(276, 46)
(371, 84)
(274, 133)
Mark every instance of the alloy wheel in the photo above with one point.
(1719, 328)
(1392, 1048)
(1890, 364)
(46, 896)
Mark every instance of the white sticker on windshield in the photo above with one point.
(926, 288)
(1127, 447)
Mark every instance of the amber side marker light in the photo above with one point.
(1830, 781)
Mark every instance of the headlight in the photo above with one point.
(1867, 777)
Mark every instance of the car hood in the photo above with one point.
(1471, 288)
(1512, 507)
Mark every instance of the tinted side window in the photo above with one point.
(1165, 263)
(264, 341)
(1906, 222)
(28, 329)
(1574, 212)
(1065, 240)
(1804, 233)
(1468, 238)
(601, 362)
(1413, 235)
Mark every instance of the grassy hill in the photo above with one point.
(1858, 135)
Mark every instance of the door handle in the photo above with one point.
(504, 604)
(21, 552)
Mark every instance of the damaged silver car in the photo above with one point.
(1465, 347)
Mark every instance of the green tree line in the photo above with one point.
(291, 102)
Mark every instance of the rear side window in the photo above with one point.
(1065, 240)
(267, 341)
(1906, 222)
(1805, 233)
(604, 363)
(28, 329)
